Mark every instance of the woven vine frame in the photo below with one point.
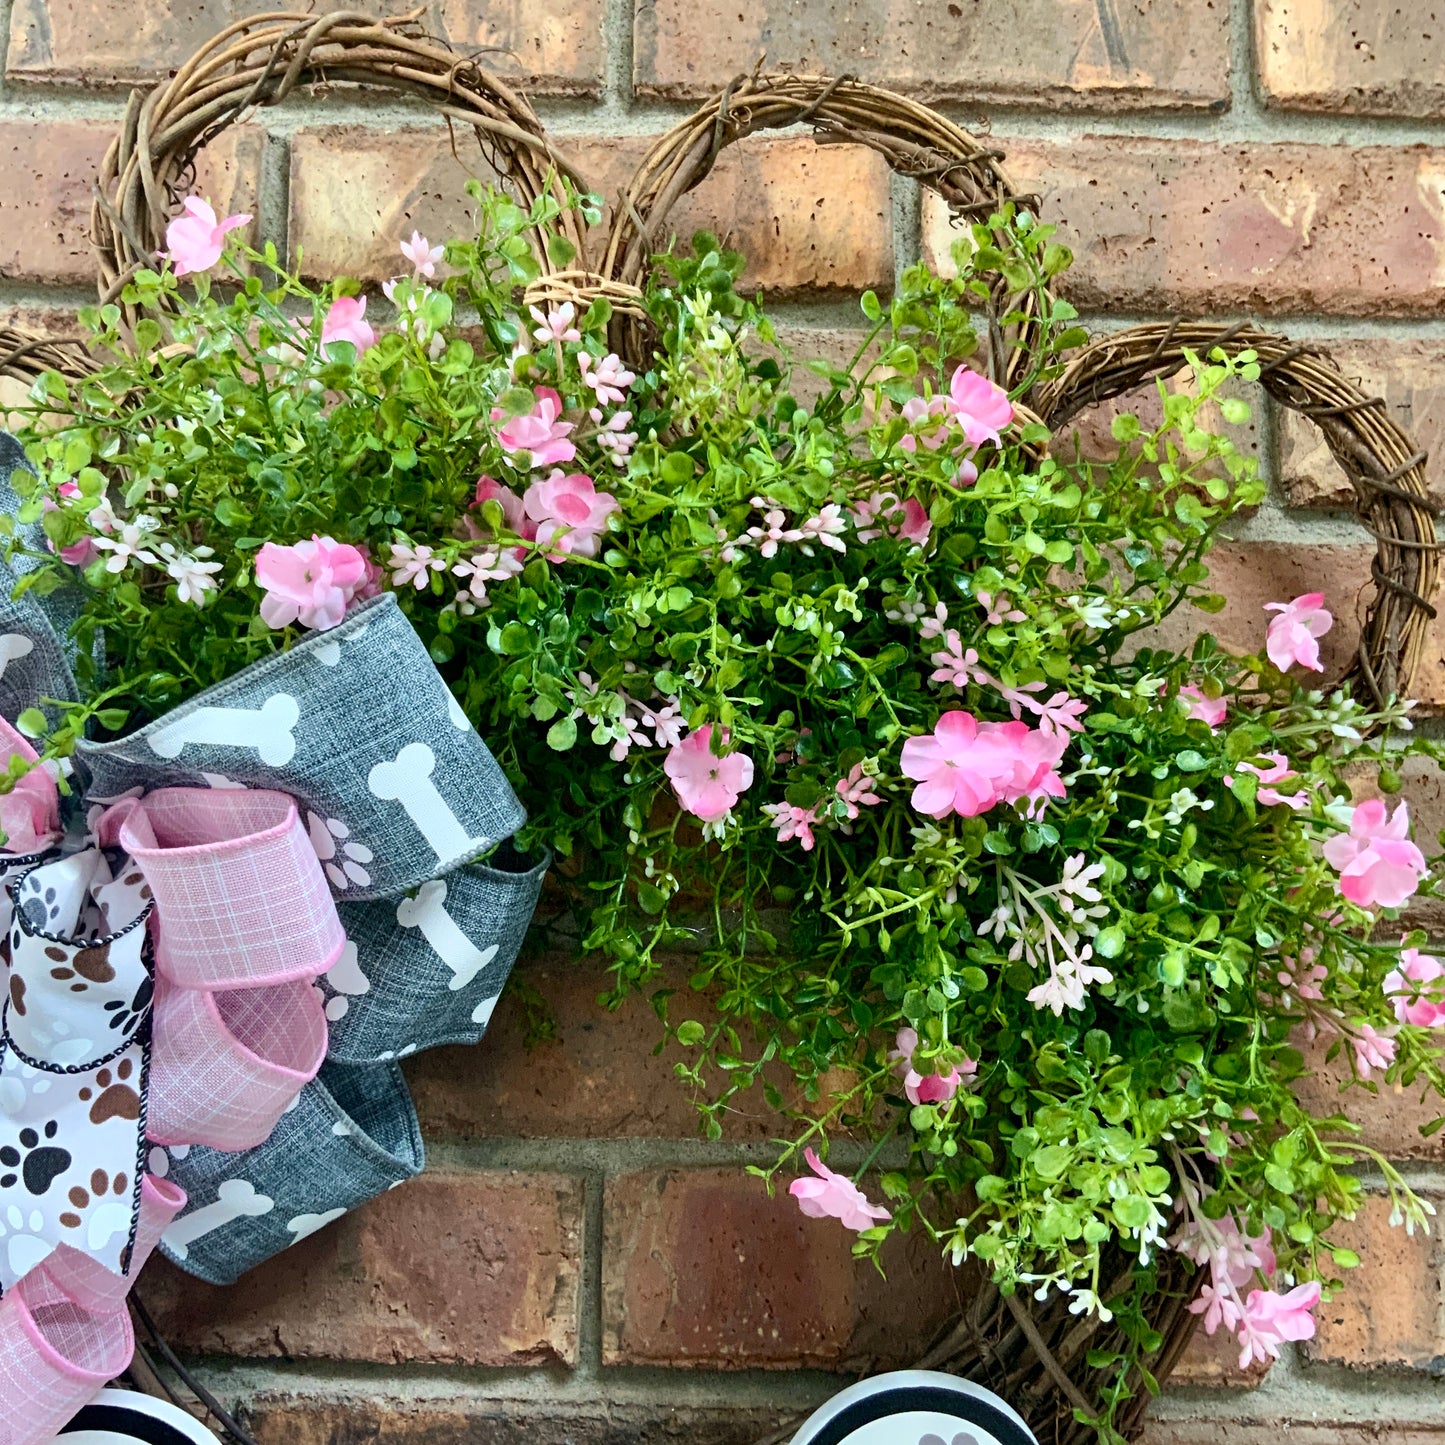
(1035, 1354)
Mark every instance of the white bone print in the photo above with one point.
(235, 1199)
(407, 780)
(458, 717)
(14, 646)
(305, 1225)
(482, 1014)
(427, 912)
(266, 729)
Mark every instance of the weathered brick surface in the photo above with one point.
(702, 1268)
(554, 46)
(809, 218)
(1249, 574)
(1165, 225)
(474, 1269)
(470, 1421)
(1389, 1311)
(1371, 57)
(47, 176)
(1317, 1428)
(597, 1079)
(1410, 376)
(1033, 52)
(1213, 1361)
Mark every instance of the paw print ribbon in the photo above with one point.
(246, 912)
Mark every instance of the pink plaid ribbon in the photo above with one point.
(243, 923)
(65, 1331)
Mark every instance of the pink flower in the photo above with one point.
(1292, 637)
(792, 821)
(856, 790)
(951, 663)
(514, 512)
(979, 406)
(422, 254)
(541, 433)
(1208, 710)
(197, 239)
(831, 1196)
(966, 767)
(569, 512)
(609, 378)
(1372, 1050)
(1378, 864)
(998, 608)
(906, 519)
(1409, 989)
(555, 325)
(308, 582)
(1277, 771)
(707, 786)
(934, 1088)
(919, 413)
(346, 321)
(1218, 1306)
(1271, 1318)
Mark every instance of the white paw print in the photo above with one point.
(341, 859)
(23, 1250)
(346, 977)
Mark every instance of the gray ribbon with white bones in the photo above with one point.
(399, 795)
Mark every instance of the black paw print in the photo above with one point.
(38, 904)
(40, 1165)
(100, 1183)
(126, 1017)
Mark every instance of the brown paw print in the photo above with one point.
(100, 1184)
(17, 994)
(116, 1100)
(90, 965)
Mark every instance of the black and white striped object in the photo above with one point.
(119, 1417)
(915, 1407)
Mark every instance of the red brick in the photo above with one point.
(554, 46)
(1213, 1360)
(47, 177)
(1410, 376)
(1189, 225)
(1366, 57)
(1031, 52)
(1250, 574)
(276, 1419)
(467, 1269)
(808, 218)
(1389, 1310)
(598, 1078)
(701, 1267)
(1391, 1119)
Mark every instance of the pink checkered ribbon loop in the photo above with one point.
(243, 922)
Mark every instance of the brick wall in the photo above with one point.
(577, 1265)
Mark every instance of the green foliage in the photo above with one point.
(1163, 912)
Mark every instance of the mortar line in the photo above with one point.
(589, 1286)
(7, 9)
(1245, 98)
(617, 61)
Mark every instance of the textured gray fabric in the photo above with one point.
(352, 1135)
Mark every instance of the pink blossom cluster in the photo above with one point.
(1415, 988)
(973, 404)
(1292, 638)
(195, 239)
(933, 1087)
(1264, 1319)
(882, 514)
(854, 791)
(1379, 866)
(311, 582)
(708, 784)
(967, 767)
(1278, 770)
(628, 723)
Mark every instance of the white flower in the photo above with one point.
(131, 544)
(193, 575)
(555, 325)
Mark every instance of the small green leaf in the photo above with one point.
(562, 734)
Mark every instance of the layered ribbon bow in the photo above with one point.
(263, 899)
